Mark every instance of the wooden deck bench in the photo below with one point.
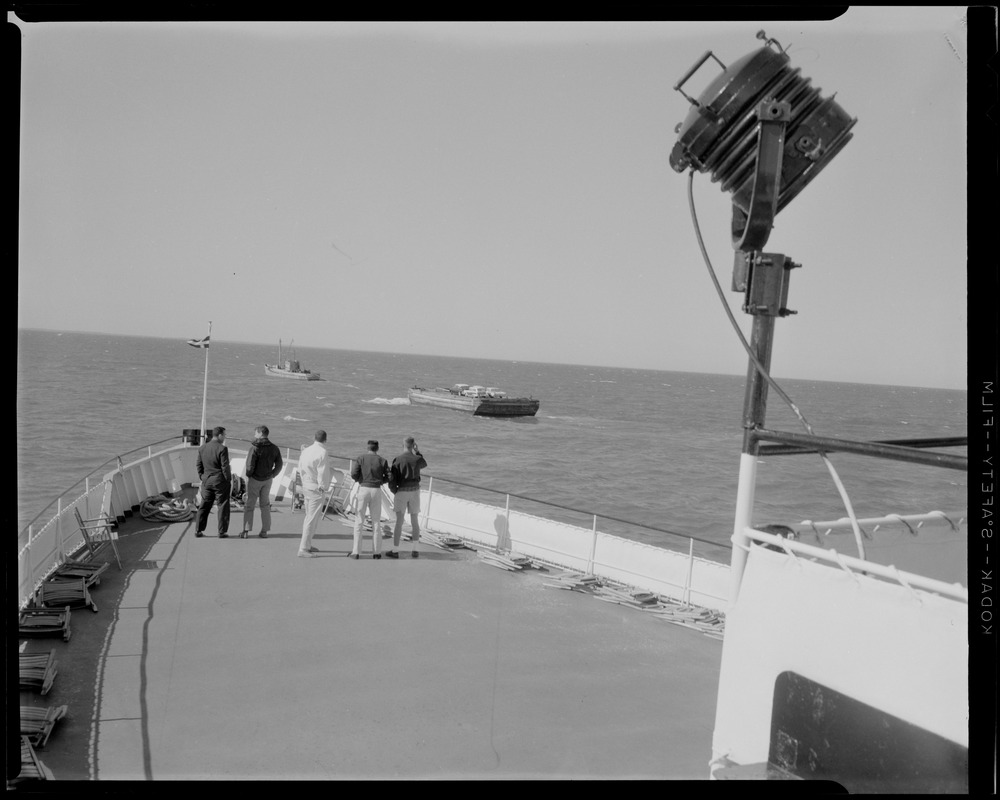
(36, 671)
(44, 622)
(74, 570)
(37, 722)
(31, 767)
(64, 593)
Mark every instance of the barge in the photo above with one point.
(474, 400)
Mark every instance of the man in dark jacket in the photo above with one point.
(263, 466)
(370, 471)
(404, 483)
(216, 481)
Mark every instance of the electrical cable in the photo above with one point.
(764, 374)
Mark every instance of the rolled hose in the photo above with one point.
(162, 508)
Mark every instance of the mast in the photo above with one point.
(204, 394)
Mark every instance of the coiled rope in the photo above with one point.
(162, 508)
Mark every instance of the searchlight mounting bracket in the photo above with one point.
(763, 277)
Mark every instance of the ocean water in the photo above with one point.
(660, 449)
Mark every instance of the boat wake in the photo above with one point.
(290, 418)
(395, 401)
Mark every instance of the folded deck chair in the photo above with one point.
(37, 723)
(75, 570)
(36, 671)
(64, 593)
(99, 530)
(337, 497)
(31, 767)
(44, 622)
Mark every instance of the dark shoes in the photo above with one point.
(415, 554)
(223, 535)
(198, 534)
(244, 534)
(377, 555)
(355, 556)
(392, 554)
(262, 534)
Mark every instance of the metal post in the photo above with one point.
(59, 530)
(687, 581)
(28, 568)
(86, 502)
(506, 526)
(754, 411)
(427, 513)
(593, 547)
(744, 514)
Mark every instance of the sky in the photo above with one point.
(485, 190)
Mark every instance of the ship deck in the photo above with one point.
(230, 659)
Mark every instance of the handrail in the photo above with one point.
(584, 511)
(118, 459)
(100, 468)
(855, 566)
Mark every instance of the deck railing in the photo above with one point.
(558, 535)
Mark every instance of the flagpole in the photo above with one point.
(204, 395)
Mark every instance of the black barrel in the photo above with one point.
(192, 436)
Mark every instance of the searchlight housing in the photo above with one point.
(762, 132)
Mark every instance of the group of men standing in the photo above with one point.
(264, 463)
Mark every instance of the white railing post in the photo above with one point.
(506, 527)
(31, 533)
(29, 570)
(743, 518)
(86, 504)
(59, 530)
(687, 580)
(593, 547)
(427, 512)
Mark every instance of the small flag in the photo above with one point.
(203, 343)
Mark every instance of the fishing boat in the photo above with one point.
(812, 649)
(479, 401)
(290, 368)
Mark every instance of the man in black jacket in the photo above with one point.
(263, 466)
(216, 482)
(404, 483)
(370, 471)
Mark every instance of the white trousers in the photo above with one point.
(314, 509)
(369, 498)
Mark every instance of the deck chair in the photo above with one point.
(37, 671)
(338, 497)
(44, 622)
(37, 723)
(75, 570)
(31, 767)
(98, 530)
(65, 594)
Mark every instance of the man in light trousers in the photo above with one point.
(370, 471)
(315, 473)
(404, 483)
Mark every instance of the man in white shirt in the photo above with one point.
(315, 473)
